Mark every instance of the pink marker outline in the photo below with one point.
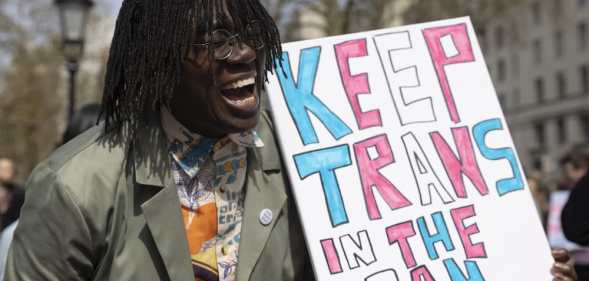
(371, 177)
(461, 39)
(331, 256)
(476, 250)
(356, 85)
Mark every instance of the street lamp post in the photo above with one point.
(73, 16)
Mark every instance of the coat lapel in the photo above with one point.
(162, 211)
(262, 192)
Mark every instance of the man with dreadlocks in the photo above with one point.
(181, 181)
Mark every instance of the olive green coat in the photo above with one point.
(100, 212)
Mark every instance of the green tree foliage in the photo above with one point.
(30, 105)
(9, 30)
(33, 81)
(279, 9)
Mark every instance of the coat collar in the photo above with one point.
(162, 211)
(152, 170)
(150, 155)
(268, 156)
(265, 190)
(190, 150)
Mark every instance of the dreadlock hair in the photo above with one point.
(151, 39)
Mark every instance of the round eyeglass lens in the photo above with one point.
(221, 42)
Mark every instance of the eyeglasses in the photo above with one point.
(222, 41)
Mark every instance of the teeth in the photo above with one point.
(240, 83)
(243, 101)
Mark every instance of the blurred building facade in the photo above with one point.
(326, 17)
(538, 55)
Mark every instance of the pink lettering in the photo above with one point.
(331, 256)
(459, 35)
(421, 274)
(465, 163)
(399, 233)
(371, 177)
(356, 85)
(476, 250)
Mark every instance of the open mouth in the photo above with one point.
(241, 96)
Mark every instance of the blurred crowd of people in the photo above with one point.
(10, 193)
(551, 193)
(12, 198)
(573, 166)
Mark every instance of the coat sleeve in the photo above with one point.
(52, 241)
(575, 218)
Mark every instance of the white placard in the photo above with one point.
(400, 159)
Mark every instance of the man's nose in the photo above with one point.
(242, 54)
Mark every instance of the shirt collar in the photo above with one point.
(190, 150)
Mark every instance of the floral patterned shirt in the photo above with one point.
(210, 175)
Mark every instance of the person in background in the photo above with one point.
(5, 195)
(85, 118)
(575, 215)
(7, 171)
(12, 211)
(574, 164)
(7, 187)
(12, 214)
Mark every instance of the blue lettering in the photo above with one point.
(430, 240)
(324, 162)
(472, 269)
(507, 185)
(300, 99)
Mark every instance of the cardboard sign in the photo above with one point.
(400, 159)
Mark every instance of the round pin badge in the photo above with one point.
(266, 217)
